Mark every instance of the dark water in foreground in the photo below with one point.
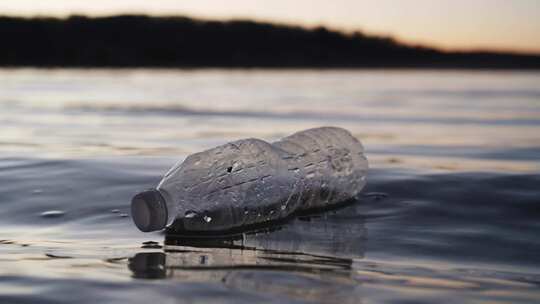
(450, 213)
(411, 237)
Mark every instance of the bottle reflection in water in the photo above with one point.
(304, 259)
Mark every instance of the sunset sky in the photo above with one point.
(452, 24)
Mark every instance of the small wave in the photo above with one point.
(521, 154)
(490, 93)
(178, 110)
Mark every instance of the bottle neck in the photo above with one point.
(170, 205)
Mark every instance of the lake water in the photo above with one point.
(451, 213)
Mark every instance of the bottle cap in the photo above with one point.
(149, 210)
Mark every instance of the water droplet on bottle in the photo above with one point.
(246, 211)
(115, 211)
(283, 207)
(207, 219)
(190, 214)
(123, 215)
(37, 191)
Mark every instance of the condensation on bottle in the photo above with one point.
(251, 181)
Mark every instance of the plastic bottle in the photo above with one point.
(251, 181)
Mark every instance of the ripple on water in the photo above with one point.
(408, 232)
(52, 213)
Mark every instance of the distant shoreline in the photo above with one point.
(136, 41)
(275, 68)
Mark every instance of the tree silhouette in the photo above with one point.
(142, 41)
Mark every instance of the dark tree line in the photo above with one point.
(139, 41)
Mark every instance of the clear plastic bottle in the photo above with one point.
(251, 181)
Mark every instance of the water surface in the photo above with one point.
(450, 213)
